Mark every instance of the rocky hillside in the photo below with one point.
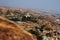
(31, 21)
(11, 31)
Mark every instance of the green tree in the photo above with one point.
(8, 12)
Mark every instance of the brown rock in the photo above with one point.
(11, 31)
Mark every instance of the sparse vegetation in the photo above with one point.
(30, 22)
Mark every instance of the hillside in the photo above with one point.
(31, 21)
(11, 31)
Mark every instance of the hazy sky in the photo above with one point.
(33, 4)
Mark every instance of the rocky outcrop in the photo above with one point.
(11, 31)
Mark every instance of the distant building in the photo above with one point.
(58, 20)
(27, 15)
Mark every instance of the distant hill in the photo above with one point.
(18, 13)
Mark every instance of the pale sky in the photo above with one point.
(32, 4)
